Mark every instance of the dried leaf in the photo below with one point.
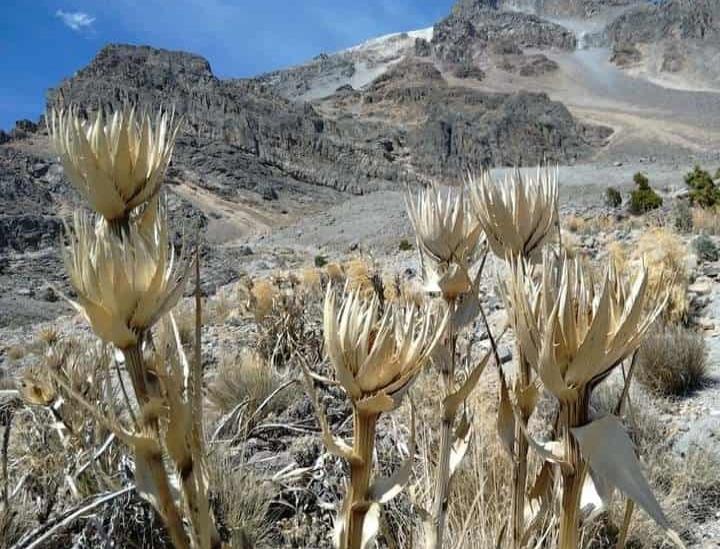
(610, 453)
(549, 451)
(376, 404)
(506, 418)
(334, 445)
(384, 489)
(452, 402)
(459, 448)
(371, 526)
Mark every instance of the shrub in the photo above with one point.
(671, 360)
(706, 220)
(703, 191)
(682, 217)
(405, 245)
(644, 198)
(247, 381)
(705, 248)
(320, 261)
(575, 224)
(664, 253)
(613, 198)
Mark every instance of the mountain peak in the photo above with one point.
(117, 58)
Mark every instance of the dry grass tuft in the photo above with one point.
(334, 272)
(241, 384)
(241, 502)
(262, 295)
(575, 224)
(310, 279)
(665, 254)
(706, 220)
(672, 360)
(359, 273)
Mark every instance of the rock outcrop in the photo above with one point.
(674, 37)
(475, 25)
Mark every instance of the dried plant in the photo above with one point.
(672, 360)
(664, 254)
(124, 272)
(518, 213)
(574, 340)
(116, 161)
(447, 238)
(376, 355)
(518, 216)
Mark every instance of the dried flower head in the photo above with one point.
(116, 162)
(570, 335)
(124, 283)
(518, 213)
(447, 237)
(377, 354)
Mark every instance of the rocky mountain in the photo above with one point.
(672, 40)
(257, 153)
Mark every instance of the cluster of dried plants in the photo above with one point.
(127, 280)
(131, 409)
(571, 334)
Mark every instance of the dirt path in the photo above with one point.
(227, 221)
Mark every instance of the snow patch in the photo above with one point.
(390, 44)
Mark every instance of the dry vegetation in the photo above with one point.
(419, 437)
(672, 361)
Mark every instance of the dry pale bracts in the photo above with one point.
(124, 283)
(518, 213)
(116, 161)
(376, 354)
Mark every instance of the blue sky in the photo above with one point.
(44, 41)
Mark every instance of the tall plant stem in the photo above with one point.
(364, 425)
(165, 501)
(574, 414)
(442, 485)
(520, 464)
(134, 363)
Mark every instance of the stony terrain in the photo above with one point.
(312, 161)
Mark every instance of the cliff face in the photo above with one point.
(249, 129)
(674, 37)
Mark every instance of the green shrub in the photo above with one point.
(682, 217)
(717, 174)
(644, 198)
(320, 261)
(613, 198)
(705, 248)
(703, 191)
(405, 245)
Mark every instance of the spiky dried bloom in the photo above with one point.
(518, 213)
(447, 237)
(377, 354)
(116, 161)
(570, 335)
(124, 283)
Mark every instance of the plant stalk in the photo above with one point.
(166, 504)
(134, 362)
(442, 485)
(520, 462)
(358, 502)
(574, 415)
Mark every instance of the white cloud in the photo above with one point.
(76, 20)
